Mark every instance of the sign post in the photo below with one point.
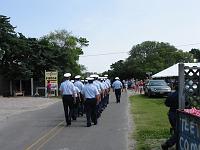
(52, 77)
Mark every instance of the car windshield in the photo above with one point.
(158, 83)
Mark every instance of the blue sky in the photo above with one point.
(111, 26)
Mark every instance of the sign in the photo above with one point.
(188, 132)
(52, 77)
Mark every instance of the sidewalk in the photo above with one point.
(16, 105)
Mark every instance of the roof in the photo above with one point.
(173, 70)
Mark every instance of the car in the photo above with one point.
(156, 87)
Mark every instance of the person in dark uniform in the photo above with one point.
(68, 93)
(172, 102)
(117, 87)
(92, 96)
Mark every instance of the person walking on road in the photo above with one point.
(68, 93)
(118, 88)
(76, 104)
(92, 96)
(80, 86)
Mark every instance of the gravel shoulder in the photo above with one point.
(16, 105)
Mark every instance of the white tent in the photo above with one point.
(173, 70)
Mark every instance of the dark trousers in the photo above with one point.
(107, 97)
(75, 109)
(172, 119)
(118, 95)
(68, 106)
(90, 108)
(81, 105)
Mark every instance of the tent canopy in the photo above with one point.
(173, 70)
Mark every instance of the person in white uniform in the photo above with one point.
(80, 86)
(118, 88)
(91, 95)
(68, 92)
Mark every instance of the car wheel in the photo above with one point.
(149, 93)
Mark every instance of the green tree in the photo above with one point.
(196, 53)
(23, 58)
(149, 56)
(67, 50)
(13, 48)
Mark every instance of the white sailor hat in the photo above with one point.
(105, 75)
(101, 78)
(116, 78)
(67, 75)
(77, 77)
(93, 75)
(89, 78)
(72, 81)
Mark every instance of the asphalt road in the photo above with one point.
(45, 130)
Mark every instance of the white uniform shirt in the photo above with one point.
(90, 91)
(106, 86)
(117, 85)
(67, 88)
(77, 91)
(108, 82)
(79, 84)
(96, 83)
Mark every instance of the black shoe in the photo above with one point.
(69, 124)
(89, 124)
(164, 146)
(95, 122)
(74, 118)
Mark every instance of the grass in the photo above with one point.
(151, 122)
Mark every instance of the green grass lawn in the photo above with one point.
(151, 122)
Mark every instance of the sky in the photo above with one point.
(112, 27)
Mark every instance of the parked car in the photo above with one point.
(156, 87)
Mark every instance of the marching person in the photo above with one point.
(107, 81)
(118, 88)
(80, 86)
(76, 104)
(98, 85)
(68, 92)
(91, 95)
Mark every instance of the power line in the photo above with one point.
(128, 51)
(104, 54)
(187, 44)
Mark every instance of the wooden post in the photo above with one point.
(11, 90)
(181, 86)
(20, 85)
(31, 86)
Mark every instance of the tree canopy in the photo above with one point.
(196, 54)
(149, 56)
(23, 58)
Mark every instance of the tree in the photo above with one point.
(149, 56)
(13, 48)
(67, 49)
(23, 58)
(196, 53)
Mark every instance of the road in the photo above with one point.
(45, 129)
